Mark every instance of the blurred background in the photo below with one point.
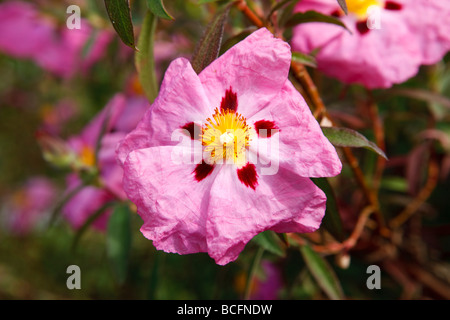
(52, 95)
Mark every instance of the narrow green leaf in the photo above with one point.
(59, 207)
(158, 9)
(305, 59)
(344, 137)
(118, 241)
(277, 6)
(332, 221)
(343, 5)
(144, 58)
(269, 241)
(322, 273)
(208, 48)
(119, 13)
(313, 16)
(96, 215)
(252, 271)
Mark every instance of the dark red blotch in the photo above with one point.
(194, 130)
(269, 126)
(248, 176)
(229, 101)
(361, 26)
(202, 170)
(391, 5)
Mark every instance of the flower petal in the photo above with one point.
(375, 59)
(181, 100)
(302, 147)
(171, 202)
(284, 202)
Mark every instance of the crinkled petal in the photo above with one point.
(181, 100)
(256, 75)
(300, 144)
(172, 204)
(284, 202)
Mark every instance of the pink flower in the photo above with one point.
(29, 207)
(389, 40)
(119, 117)
(269, 286)
(25, 33)
(217, 203)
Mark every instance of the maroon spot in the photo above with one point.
(202, 170)
(194, 130)
(391, 5)
(267, 125)
(336, 13)
(361, 26)
(248, 176)
(229, 101)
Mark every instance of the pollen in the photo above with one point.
(226, 137)
(87, 156)
(361, 7)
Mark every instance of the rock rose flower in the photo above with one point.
(236, 117)
(388, 42)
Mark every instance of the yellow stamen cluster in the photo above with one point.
(361, 7)
(225, 136)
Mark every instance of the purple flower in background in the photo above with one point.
(118, 118)
(29, 207)
(26, 33)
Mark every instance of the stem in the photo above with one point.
(302, 75)
(349, 243)
(242, 6)
(378, 129)
(424, 194)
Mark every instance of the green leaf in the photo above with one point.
(278, 6)
(313, 16)
(144, 58)
(344, 137)
(421, 94)
(269, 241)
(252, 272)
(119, 13)
(343, 5)
(208, 48)
(158, 9)
(118, 241)
(322, 273)
(332, 221)
(305, 59)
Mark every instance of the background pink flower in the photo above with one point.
(28, 34)
(27, 208)
(410, 33)
(218, 208)
(119, 117)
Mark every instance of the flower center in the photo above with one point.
(225, 136)
(87, 156)
(361, 7)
